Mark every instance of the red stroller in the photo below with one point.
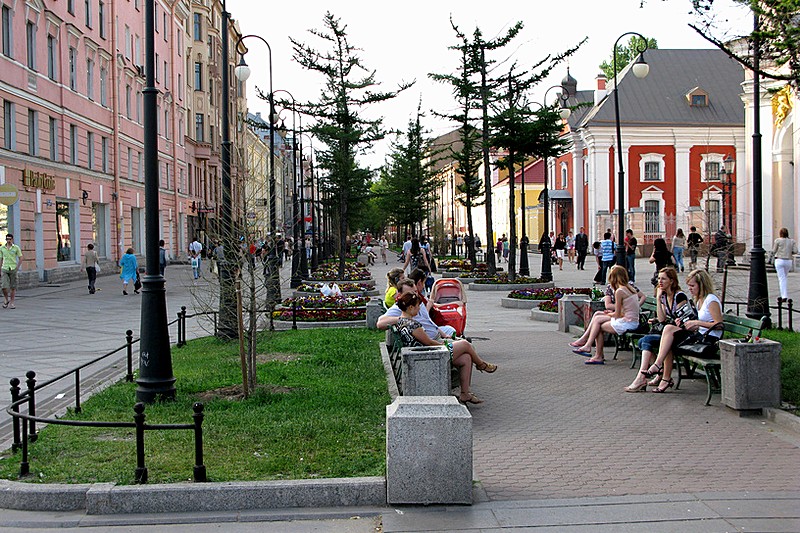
(452, 299)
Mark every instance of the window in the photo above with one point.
(88, 8)
(699, 100)
(52, 54)
(71, 7)
(712, 170)
(8, 38)
(713, 214)
(53, 139)
(73, 68)
(90, 79)
(652, 171)
(564, 176)
(139, 167)
(139, 107)
(99, 235)
(180, 86)
(180, 43)
(166, 124)
(166, 74)
(64, 223)
(155, 69)
(130, 163)
(104, 154)
(104, 87)
(652, 216)
(198, 27)
(198, 127)
(33, 132)
(128, 101)
(8, 126)
(101, 19)
(73, 144)
(155, 17)
(30, 39)
(128, 42)
(198, 76)
(165, 26)
(90, 150)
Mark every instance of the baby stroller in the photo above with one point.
(450, 295)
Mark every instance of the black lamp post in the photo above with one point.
(547, 267)
(640, 70)
(155, 381)
(314, 259)
(728, 166)
(757, 293)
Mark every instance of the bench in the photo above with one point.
(688, 364)
(394, 345)
(630, 339)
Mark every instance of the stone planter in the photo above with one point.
(544, 316)
(372, 292)
(518, 303)
(570, 310)
(508, 286)
(751, 374)
(590, 308)
(283, 325)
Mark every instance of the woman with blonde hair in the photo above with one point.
(624, 317)
(709, 314)
(393, 277)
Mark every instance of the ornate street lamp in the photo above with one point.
(640, 70)
(547, 267)
(728, 166)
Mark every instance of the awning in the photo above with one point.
(562, 195)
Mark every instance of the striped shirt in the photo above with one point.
(607, 249)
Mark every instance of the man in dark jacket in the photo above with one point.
(581, 246)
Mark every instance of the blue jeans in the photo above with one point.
(650, 343)
(630, 266)
(677, 252)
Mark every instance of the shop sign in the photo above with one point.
(38, 180)
(8, 194)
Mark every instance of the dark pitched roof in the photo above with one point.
(660, 98)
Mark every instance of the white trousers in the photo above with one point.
(782, 266)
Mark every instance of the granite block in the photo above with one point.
(751, 374)
(374, 312)
(570, 310)
(426, 371)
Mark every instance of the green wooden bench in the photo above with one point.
(630, 339)
(688, 364)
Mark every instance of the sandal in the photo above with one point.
(658, 370)
(5, 305)
(489, 368)
(654, 382)
(669, 385)
(471, 398)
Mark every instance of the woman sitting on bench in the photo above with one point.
(669, 298)
(462, 354)
(609, 300)
(625, 316)
(709, 313)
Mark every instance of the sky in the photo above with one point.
(405, 41)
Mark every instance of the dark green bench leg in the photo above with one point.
(713, 379)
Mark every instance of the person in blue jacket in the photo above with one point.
(129, 270)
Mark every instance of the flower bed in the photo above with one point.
(355, 271)
(549, 306)
(323, 308)
(502, 279)
(344, 287)
(553, 293)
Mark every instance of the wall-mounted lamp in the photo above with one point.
(48, 202)
(114, 196)
(84, 196)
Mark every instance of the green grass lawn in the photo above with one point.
(790, 364)
(320, 413)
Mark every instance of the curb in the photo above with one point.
(517, 303)
(543, 316)
(509, 286)
(110, 499)
(782, 418)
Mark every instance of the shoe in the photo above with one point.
(489, 368)
(12, 306)
(471, 398)
(651, 372)
(5, 305)
(669, 384)
(125, 293)
(654, 382)
(641, 388)
(582, 352)
(594, 362)
(135, 292)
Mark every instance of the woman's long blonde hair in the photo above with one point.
(704, 283)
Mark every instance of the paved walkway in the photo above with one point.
(558, 446)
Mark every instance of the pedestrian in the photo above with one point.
(197, 248)
(607, 249)
(90, 263)
(630, 254)
(721, 246)
(598, 257)
(571, 247)
(783, 249)
(460, 244)
(162, 257)
(195, 262)
(10, 261)
(662, 258)
(560, 247)
(693, 242)
(384, 244)
(498, 249)
(581, 247)
(129, 271)
(477, 243)
(678, 245)
(309, 247)
(505, 248)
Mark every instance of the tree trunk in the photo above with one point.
(512, 218)
(487, 171)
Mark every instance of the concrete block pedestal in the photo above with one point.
(426, 371)
(751, 374)
(428, 451)
(570, 310)
(374, 312)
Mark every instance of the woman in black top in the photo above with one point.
(560, 247)
(661, 256)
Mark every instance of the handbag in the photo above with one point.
(700, 345)
(657, 328)
(686, 312)
(97, 267)
(137, 283)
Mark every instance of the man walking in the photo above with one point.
(721, 245)
(693, 242)
(607, 251)
(630, 254)
(196, 247)
(10, 260)
(582, 247)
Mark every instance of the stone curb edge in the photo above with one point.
(109, 499)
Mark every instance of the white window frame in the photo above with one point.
(564, 174)
(33, 132)
(651, 158)
(657, 195)
(711, 158)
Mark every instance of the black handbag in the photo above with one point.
(701, 344)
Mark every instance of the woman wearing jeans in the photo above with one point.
(678, 245)
(783, 248)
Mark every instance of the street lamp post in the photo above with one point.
(757, 294)
(155, 381)
(314, 234)
(547, 267)
(640, 70)
(728, 166)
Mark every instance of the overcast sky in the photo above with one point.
(407, 40)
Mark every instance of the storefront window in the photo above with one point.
(63, 231)
(99, 212)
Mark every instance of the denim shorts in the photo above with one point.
(649, 343)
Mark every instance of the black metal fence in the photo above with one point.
(783, 308)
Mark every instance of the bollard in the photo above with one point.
(138, 418)
(182, 324)
(294, 314)
(14, 420)
(780, 313)
(789, 307)
(31, 382)
(77, 390)
(199, 467)
(129, 342)
(24, 466)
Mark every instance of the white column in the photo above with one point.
(577, 186)
(682, 199)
